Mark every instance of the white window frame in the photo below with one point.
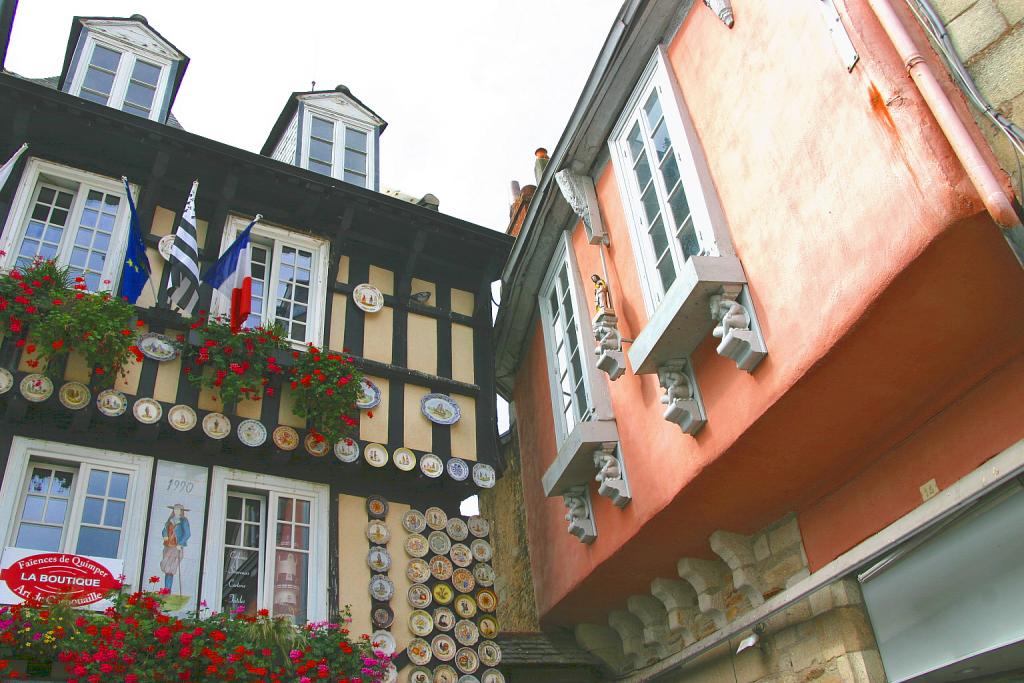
(341, 122)
(697, 185)
(26, 452)
(223, 479)
(321, 249)
(37, 171)
(125, 68)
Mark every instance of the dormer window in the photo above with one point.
(337, 148)
(120, 79)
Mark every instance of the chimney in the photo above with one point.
(540, 164)
(7, 11)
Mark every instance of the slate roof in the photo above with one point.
(542, 650)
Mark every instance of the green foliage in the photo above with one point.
(326, 386)
(239, 364)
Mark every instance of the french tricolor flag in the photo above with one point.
(231, 276)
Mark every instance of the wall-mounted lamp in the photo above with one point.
(753, 640)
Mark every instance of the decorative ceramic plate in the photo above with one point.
(444, 619)
(468, 678)
(465, 606)
(285, 438)
(347, 450)
(368, 298)
(463, 580)
(157, 346)
(467, 660)
(445, 674)
(441, 568)
(165, 245)
(458, 469)
(488, 627)
(457, 529)
(378, 532)
(405, 459)
(376, 454)
(492, 676)
(443, 647)
(436, 518)
(6, 380)
(111, 402)
(182, 417)
(390, 673)
(418, 571)
(74, 395)
(439, 542)
(419, 596)
(481, 550)
(369, 397)
(461, 554)
(414, 521)
(421, 623)
(381, 588)
(379, 559)
(431, 466)
(383, 642)
(383, 616)
(466, 632)
(478, 526)
(147, 411)
(217, 426)
(440, 409)
(421, 674)
(316, 448)
(443, 593)
(490, 653)
(483, 475)
(419, 653)
(376, 507)
(36, 387)
(487, 601)
(252, 433)
(416, 545)
(484, 574)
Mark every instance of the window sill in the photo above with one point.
(683, 318)
(574, 464)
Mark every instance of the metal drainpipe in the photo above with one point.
(996, 201)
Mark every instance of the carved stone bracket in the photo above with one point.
(610, 358)
(723, 8)
(682, 400)
(579, 514)
(740, 341)
(581, 194)
(611, 475)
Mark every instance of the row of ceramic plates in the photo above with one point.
(377, 455)
(443, 648)
(446, 674)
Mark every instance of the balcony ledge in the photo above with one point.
(574, 464)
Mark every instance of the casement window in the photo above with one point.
(658, 179)
(116, 76)
(77, 218)
(267, 545)
(289, 271)
(338, 148)
(61, 498)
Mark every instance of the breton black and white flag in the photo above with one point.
(183, 282)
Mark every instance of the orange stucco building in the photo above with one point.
(796, 381)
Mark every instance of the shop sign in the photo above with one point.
(32, 575)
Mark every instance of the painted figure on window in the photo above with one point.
(175, 533)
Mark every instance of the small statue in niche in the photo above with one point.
(602, 297)
(729, 314)
(608, 467)
(576, 506)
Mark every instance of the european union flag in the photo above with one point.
(135, 271)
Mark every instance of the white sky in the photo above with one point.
(469, 88)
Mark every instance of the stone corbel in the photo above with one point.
(610, 475)
(610, 358)
(733, 325)
(682, 400)
(581, 194)
(722, 8)
(579, 514)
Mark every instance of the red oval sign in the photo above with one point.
(81, 580)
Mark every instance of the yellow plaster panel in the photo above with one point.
(422, 344)
(464, 431)
(462, 354)
(419, 285)
(23, 365)
(353, 572)
(378, 335)
(462, 302)
(166, 387)
(163, 222)
(201, 227)
(417, 427)
(400, 605)
(285, 415)
(249, 408)
(76, 370)
(147, 299)
(336, 338)
(383, 279)
(343, 269)
(376, 428)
